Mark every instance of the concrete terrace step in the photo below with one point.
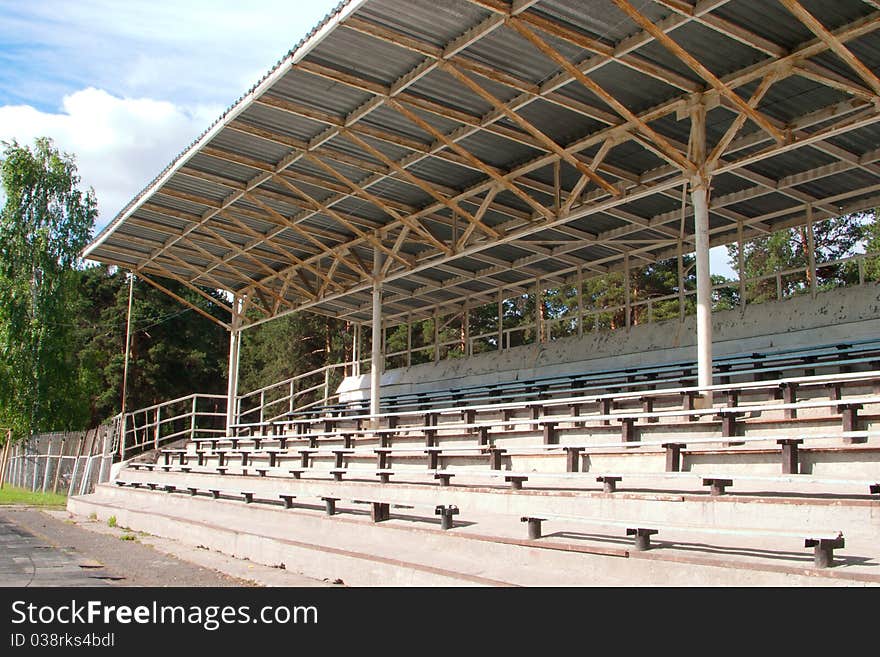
(482, 549)
(855, 517)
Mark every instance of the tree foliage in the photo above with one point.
(63, 325)
(785, 252)
(174, 351)
(45, 222)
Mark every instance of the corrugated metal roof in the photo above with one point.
(320, 122)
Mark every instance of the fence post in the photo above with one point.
(87, 475)
(5, 458)
(79, 447)
(48, 462)
(84, 482)
(58, 465)
(36, 469)
(326, 386)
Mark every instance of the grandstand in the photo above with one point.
(413, 161)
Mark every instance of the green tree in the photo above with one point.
(175, 351)
(787, 249)
(45, 222)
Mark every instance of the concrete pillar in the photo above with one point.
(234, 348)
(700, 199)
(376, 361)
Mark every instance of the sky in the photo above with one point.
(126, 86)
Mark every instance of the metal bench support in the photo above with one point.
(823, 550)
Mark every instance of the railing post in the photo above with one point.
(326, 385)
(262, 405)
(156, 429)
(192, 421)
(123, 429)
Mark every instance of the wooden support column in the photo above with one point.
(376, 361)
(580, 300)
(627, 301)
(234, 349)
(500, 321)
(436, 336)
(539, 313)
(811, 250)
(741, 265)
(355, 350)
(409, 340)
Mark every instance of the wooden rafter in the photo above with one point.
(661, 142)
(450, 143)
(698, 67)
(479, 193)
(833, 43)
(529, 127)
(361, 192)
(423, 185)
(180, 299)
(329, 211)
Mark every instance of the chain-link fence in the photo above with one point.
(68, 462)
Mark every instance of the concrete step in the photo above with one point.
(483, 548)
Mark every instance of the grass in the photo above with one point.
(12, 495)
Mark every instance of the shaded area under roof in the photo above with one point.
(482, 146)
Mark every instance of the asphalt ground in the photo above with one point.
(51, 548)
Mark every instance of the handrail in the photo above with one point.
(155, 425)
(294, 378)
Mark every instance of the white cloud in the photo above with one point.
(204, 50)
(120, 144)
(126, 86)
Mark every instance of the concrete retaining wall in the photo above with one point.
(845, 314)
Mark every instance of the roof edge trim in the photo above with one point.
(318, 34)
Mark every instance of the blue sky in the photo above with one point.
(127, 85)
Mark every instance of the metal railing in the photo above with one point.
(788, 283)
(298, 392)
(196, 415)
(203, 415)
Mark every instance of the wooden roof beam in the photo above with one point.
(833, 43)
(694, 64)
(659, 141)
